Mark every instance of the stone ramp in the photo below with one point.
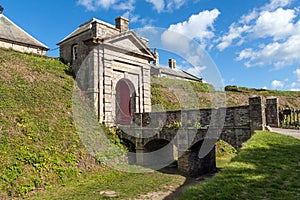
(291, 132)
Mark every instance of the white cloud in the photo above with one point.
(105, 3)
(297, 73)
(278, 54)
(295, 86)
(171, 4)
(175, 41)
(127, 5)
(198, 26)
(168, 5)
(245, 19)
(274, 4)
(277, 84)
(295, 89)
(159, 5)
(277, 24)
(234, 33)
(271, 32)
(196, 71)
(89, 4)
(93, 5)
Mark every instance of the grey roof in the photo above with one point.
(176, 73)
(11, 32)
(85, 27)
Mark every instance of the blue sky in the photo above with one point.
(254, 43)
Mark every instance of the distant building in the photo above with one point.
(113, 64)
(12, 36)
(172, 72)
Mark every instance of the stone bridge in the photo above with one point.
(189, 136)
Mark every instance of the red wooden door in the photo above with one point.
(123, 103)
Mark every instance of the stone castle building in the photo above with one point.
(14, 37)
(118, 64)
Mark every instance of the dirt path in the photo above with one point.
(291, 132)
(173, 191)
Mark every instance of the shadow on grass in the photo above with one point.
(189, 181)
(268, 167)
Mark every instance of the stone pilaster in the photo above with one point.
(256, 113)
(272, 112)
(146, 89)
(107, 86)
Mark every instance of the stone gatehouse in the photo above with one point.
(114, 66)
(114, 63)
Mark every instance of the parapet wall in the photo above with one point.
(189, 130)
(237, 123)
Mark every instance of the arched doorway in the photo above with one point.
(125, 101)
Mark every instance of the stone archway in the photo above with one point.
(125, 101)
(191, 164)
(131, 149)
(160, 152)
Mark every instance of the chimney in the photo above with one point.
(1, 9)
(122, 23)
(172, 63)
(156, 56)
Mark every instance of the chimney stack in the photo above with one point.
(1, 9)
(172, 63)
(156, 56)
(122, 23)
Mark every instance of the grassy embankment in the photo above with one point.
(41, 154)
(267, 167)
(175, 94)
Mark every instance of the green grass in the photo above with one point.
(224, 153)
(126, 186)
(173, 94)
(42, 157)
(268, 167)
(261, 91)
(39, 147)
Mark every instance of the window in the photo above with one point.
(75, 52)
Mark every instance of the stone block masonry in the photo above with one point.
(240, 122)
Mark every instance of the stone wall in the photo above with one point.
(22, 47)
(66, 50)
(183, 130)
(105, 56)
(237, 127)
(272, 112)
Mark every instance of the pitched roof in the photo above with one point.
(176, 73)
(11, 32)
(85, 27)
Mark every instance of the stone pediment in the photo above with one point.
(131, 42)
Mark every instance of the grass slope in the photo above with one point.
(41, 154)
(268, 167)
(172, 94)
(38, 143)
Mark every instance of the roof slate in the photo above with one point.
(85, 27)
(10, 31)
(176, 73)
